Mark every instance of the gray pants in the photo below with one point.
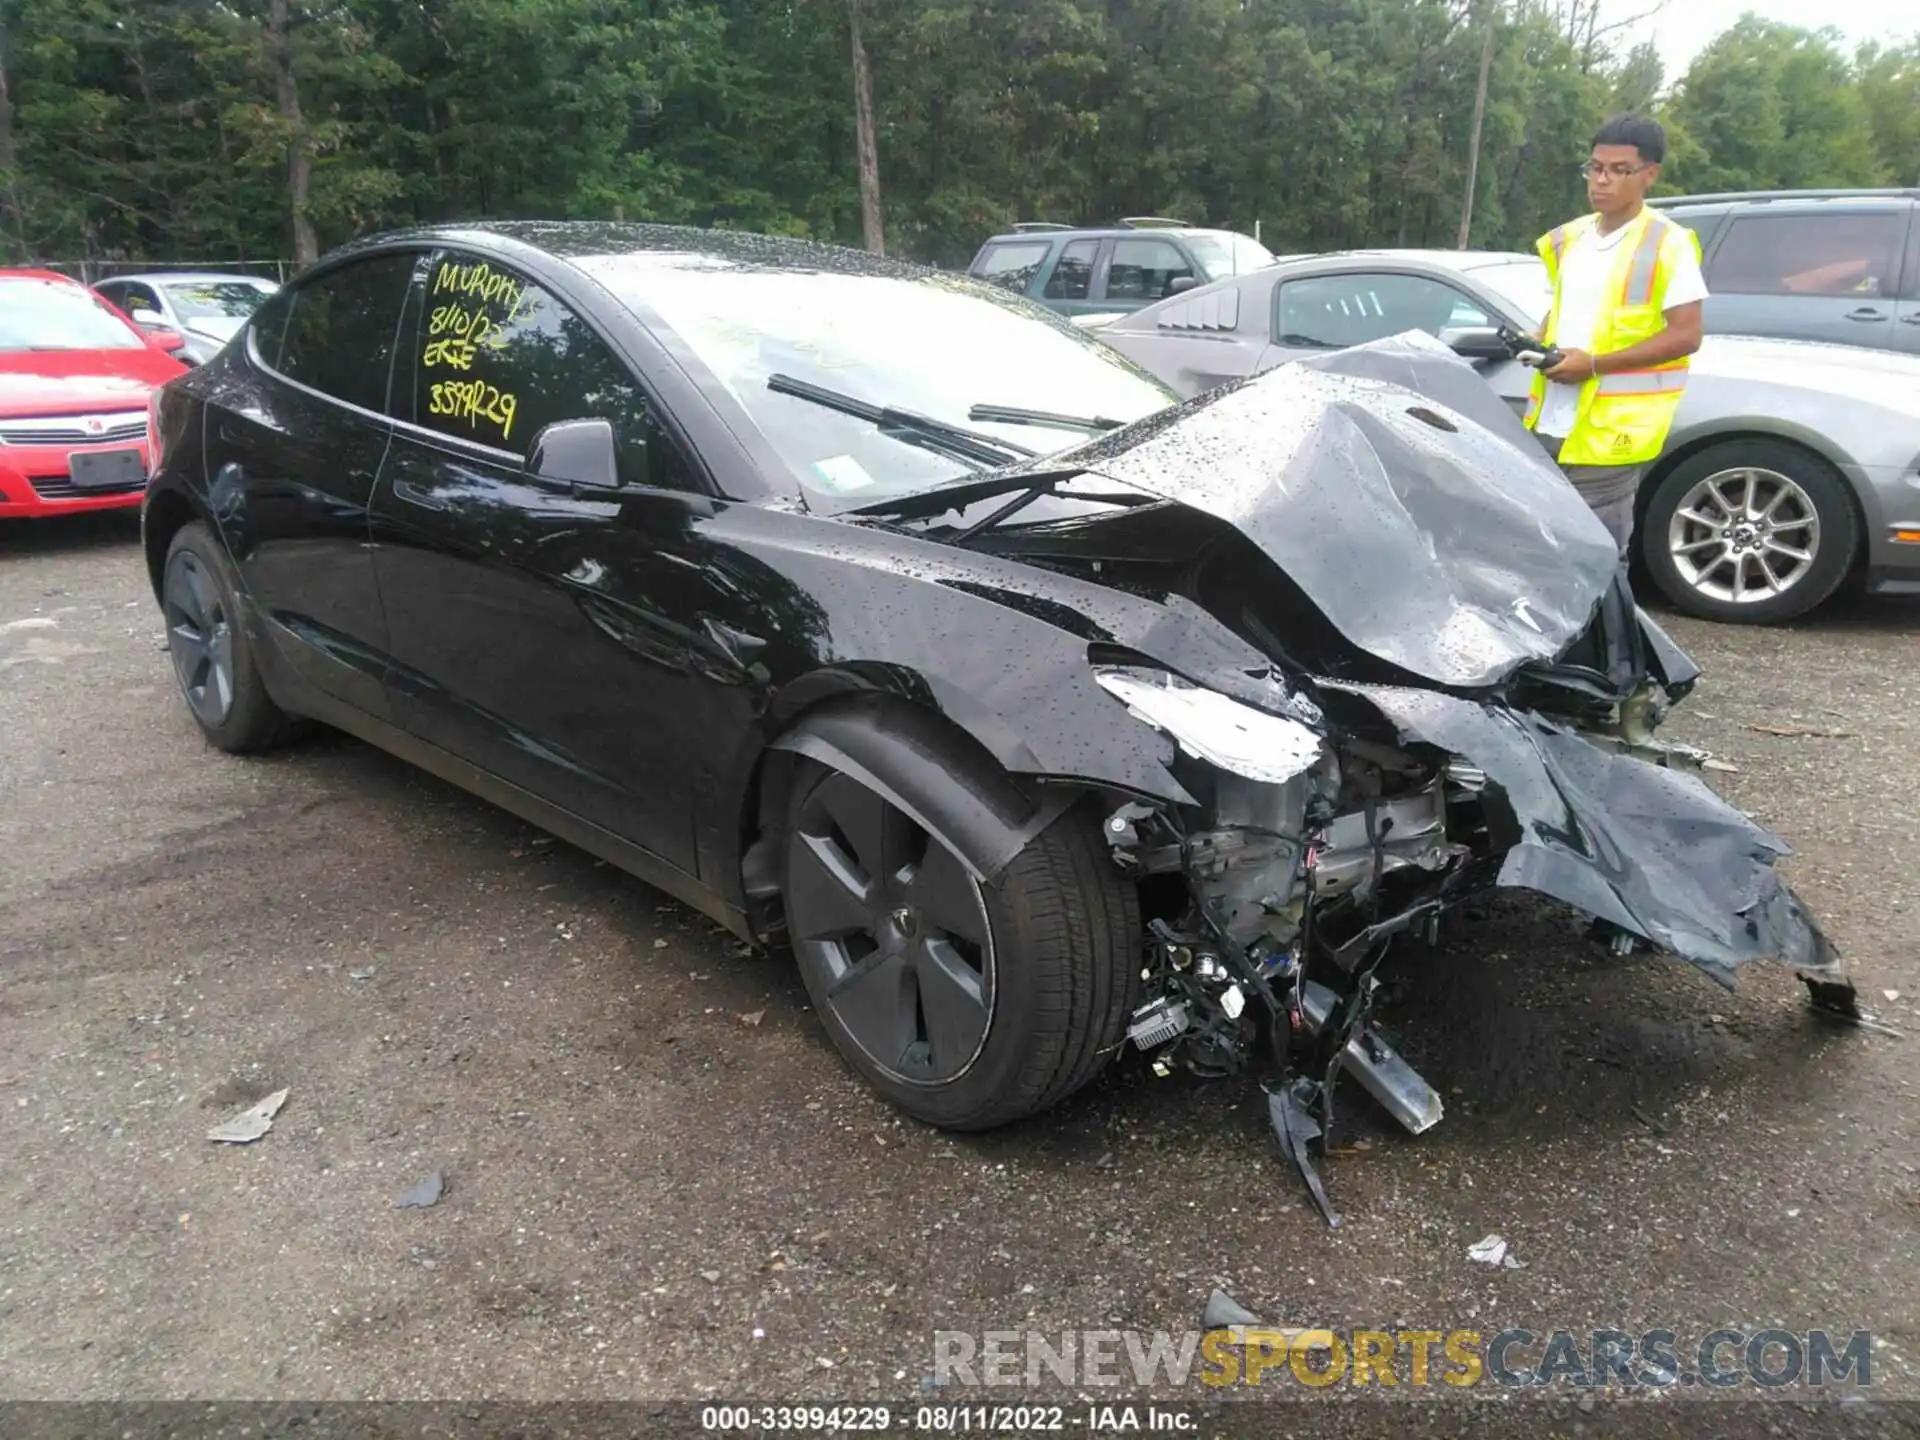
(1609, 490)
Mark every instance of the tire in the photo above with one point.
(1717, 566)
(1050, 950)
(211, 650)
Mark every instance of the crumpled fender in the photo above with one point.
(1653, 850)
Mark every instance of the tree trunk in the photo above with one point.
(1473, 145)
(306, 247)
(863, 137)
(17, 240)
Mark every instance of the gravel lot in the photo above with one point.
(661, 1182)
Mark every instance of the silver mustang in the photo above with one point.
(1792, 467)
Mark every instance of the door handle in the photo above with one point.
(1866, 312)
(414, 495)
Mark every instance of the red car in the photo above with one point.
(75, 380)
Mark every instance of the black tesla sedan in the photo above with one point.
(881, 614)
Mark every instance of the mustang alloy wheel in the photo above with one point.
(1749, 531)
(967, 1003)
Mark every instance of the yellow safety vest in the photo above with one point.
(1623, 417)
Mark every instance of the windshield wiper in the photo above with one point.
(1024, 486)
(1014, 415)
(907, 425)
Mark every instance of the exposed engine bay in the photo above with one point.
(1299, 883)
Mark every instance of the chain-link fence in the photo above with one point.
(91, 272)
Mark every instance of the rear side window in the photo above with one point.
(1706, 224)
(499, 359)
(338, 335)
(1335, 311)
(1143, 269)
(1811, 255)
(1012, 265)
(1073, 273)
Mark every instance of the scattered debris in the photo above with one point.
(1801, 732)
(1223, 1312)
(249, 1124)
(1891, 994)
(1494, 1251)
(758, 1333)
(1647, 1120)
(424, 1195)
(753, 1017)
(1793, 1212)
(712, 1277)
(364, 974)
(660, 944)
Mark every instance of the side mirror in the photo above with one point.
(1180, 284)
(168, 340)
(146, 319)
(1477, 342)
(579, 453)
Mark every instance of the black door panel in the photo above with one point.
(297, 443)
(550, 637)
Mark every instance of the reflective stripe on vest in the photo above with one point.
(1646, 263)
(1557, 242)
(1643, 382)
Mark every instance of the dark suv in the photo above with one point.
(1116, 269)
(1835, 265)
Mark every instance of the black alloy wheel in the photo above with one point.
(892, 933)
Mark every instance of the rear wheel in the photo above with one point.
(968, 1005)
(1751, 532)
(212, 654)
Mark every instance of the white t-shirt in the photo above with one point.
(1585, 271)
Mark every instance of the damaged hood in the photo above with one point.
(1398, 492)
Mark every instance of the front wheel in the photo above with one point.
(968, 1005)
(1752, 532)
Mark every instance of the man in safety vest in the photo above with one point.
(1627, 302)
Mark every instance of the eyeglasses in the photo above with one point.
(1595, 169)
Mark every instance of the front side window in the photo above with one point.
(1331, 312)
(498, 359)
(1144, 270)
(1836, 255)
(1012, 266)
(338, 332)
(935, 345)
(1073, 272)
(55, 315)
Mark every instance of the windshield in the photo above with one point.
(1522, 284)
(937, 346)
(1226, 252)
(217, 299)
(47, 315)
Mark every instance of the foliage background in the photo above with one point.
(162, 128)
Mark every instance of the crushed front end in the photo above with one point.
(1346, 818)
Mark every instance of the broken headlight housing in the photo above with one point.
(1216, 728)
